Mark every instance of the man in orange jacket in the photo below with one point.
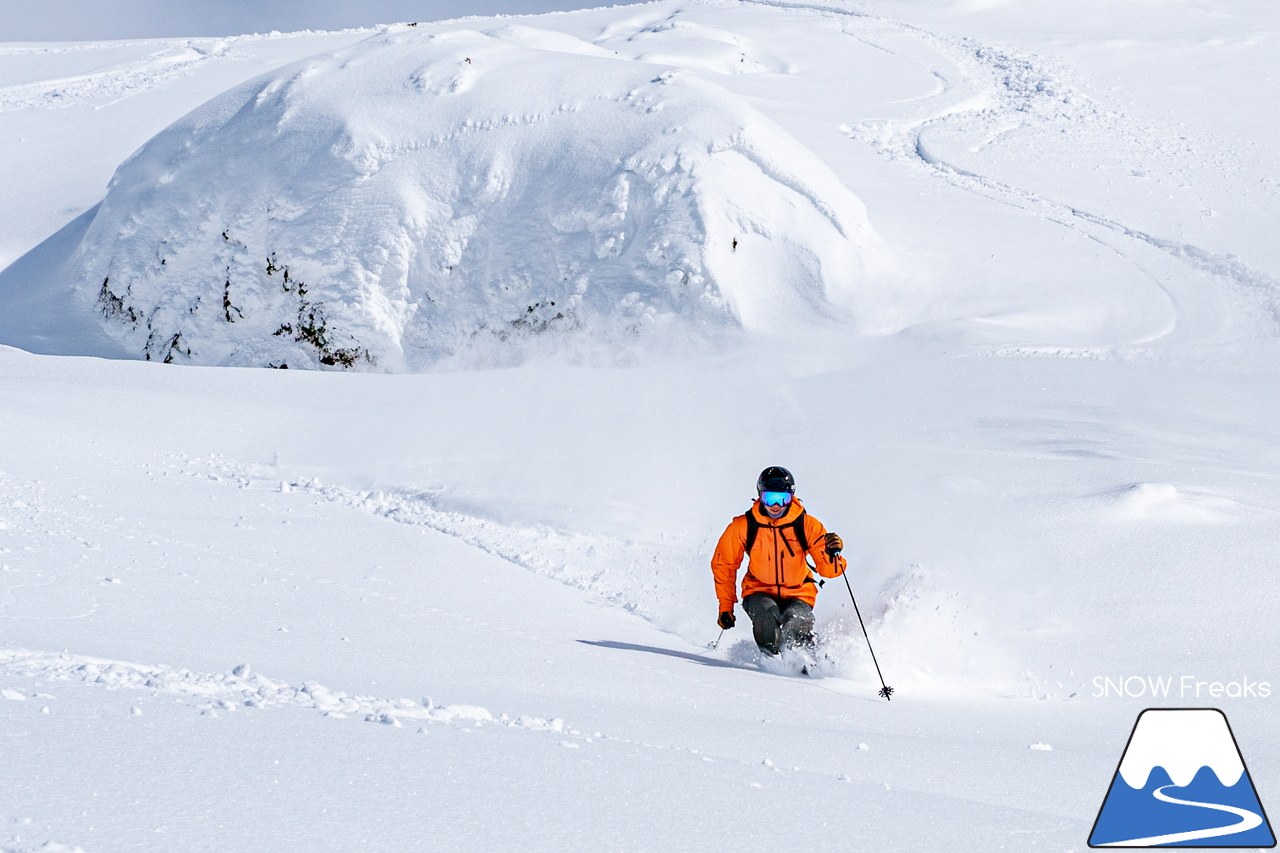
(779, 588)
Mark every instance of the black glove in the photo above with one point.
(726, 620)
(834, 544)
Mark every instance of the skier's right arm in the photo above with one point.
(727, 560)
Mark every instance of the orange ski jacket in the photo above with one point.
(777, 560)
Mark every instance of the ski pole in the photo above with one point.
(716, 644)
(885, 690)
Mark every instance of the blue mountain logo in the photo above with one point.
(1182, 783)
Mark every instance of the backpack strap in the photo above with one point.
(753, 530)
(798, 525)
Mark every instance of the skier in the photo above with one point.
(779, 588)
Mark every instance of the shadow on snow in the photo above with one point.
(672, 653)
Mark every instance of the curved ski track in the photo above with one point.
(1003, 88)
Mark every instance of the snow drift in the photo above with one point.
(418, 197)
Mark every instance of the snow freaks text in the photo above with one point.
(1184, 687)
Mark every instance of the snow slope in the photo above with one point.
(1065, 472)
(73, 112)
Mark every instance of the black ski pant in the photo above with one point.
(779, 622)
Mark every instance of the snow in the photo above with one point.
(74, 111)
(1050, 451)
(426, 195)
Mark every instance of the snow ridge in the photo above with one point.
(240, 688)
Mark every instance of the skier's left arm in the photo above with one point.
(816, 534)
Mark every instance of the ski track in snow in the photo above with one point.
(645, 579)
(999, 91)
(625, 574)
(110, 85)
(622, 573)
(1025, 88)
(227, 692)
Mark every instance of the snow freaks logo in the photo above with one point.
(1181, 783)
(1186, 687)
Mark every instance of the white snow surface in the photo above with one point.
(414, 606)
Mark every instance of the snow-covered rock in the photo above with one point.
(423, 196)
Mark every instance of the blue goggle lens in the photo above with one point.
(775, 498)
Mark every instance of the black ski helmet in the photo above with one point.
(775, 479)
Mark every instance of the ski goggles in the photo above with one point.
(775, 498)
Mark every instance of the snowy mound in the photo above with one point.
(421, 196)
